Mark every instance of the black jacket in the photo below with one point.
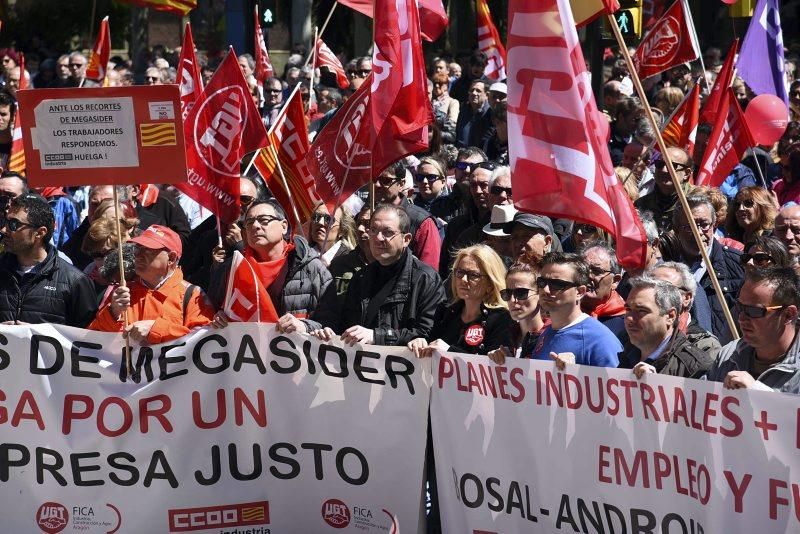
(406, 313)
(727, 264)
(72, 247)
(481, 127)
(680, 358)
(53, 292)
(491, 330)
(166, 213)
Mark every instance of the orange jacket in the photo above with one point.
(164, 305)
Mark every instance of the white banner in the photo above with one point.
(525, 448)
(240, 430)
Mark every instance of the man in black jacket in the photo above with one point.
(391, 301)
(474, 126)
(36, 285)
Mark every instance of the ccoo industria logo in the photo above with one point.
(218, 517)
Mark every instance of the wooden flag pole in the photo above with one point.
(122, 282)
(274, 153)
(675, 181)
(321, 31)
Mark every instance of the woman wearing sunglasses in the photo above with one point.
(330, 236)
(765, 251)
(752, 214)
(476, 321)
(431, 182)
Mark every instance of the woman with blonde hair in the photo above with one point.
(100, 241)
(477, 320)
(752, 214)
(330, 236)
(667, 99)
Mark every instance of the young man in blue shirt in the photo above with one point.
(573, 336)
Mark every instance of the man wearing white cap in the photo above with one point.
(498, 92)
(494, 232)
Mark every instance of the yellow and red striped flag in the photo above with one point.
(178, 7)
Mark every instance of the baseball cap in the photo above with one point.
(157, 236)
(538, 222)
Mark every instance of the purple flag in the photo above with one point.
(760, 62)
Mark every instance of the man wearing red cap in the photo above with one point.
(161, 306)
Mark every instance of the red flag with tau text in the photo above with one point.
(289, 136)
(432, 15)
(669, 43)
(490, 44)
(326, 58)
(246, 298)
(98, 60)
(385, 119)
(264, 68)
(727, 143)
(681, 128)
(560, 164)
(708, 114)
(220, 129)
(189, 81)
(16, 159)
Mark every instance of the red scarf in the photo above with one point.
(613, 306)
(268, 271)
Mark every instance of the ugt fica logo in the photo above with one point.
(52, 517)
(335, 513)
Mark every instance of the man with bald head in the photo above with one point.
(787, 229)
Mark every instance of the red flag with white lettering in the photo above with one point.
(327, 59)
(246, 298)
(385, 119)
(432, 15)
(189, 80)
(560, 162)
(220, 129)
(16, 158)
(671, 42)
(708, 114)
(727, 143)
(289, 135)
(264, 68)
(681, 128)
(98, 60)
(490, 44)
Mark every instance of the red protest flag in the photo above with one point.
(432, 15)
(289, 136)
(585, 11)
(98, 60)
(246, 298)
(176, 7)
(264, 68)
(189, 80)
(220, 129)
(326, 58)
(560, 162)
(490, 44)
(727, 143)
(671, 42)
(681, 128)
(385, 119)
(23, 79)
(715, 98)
(16, 158)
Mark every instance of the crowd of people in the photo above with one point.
(439, 259)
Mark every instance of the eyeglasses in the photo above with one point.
(756, 312)
(386, 234)
(747, 203)
(598, 271)
(498, 190)
(389, 181)
(783, 229)
(76, 65)
(430, 178)
(262, 220)
(152, 78)
(245, 199)
(519, 293)
(660, 165)
(359, 73)
(16, 224)
(322, 218)
(762, 259)
(584, 229)
(273, 91)
(486, 165)
(465, 166)
(555, 284)
(703, 226)
(472, 276)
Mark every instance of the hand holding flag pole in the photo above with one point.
(676, 182)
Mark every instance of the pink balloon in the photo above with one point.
(767, 117)
(729, 2)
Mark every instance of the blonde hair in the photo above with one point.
(492, 266)
(628, 181)
(102, 232)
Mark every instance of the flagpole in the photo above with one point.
(676, 182)
(321, 31)
(288, 191)
(690, 18)
(311, 93)
(122, 278)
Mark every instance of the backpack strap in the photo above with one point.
(186, 296)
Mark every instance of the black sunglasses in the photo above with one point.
(584, 229)
(519, 293)
(485, 165)
(245, 199)
(322, 218)
(16, 224)
(756, 312)
(555, 284)
(430, 178)
(660, 165)
(498, 190)
(464, 166)
(759, 258)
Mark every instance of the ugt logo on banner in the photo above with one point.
(217, 143)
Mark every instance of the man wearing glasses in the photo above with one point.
(768, 355)
(602, 300)
(725, 260)
(663, 201)
(77, 72)
(273, 101)
(787, 229)
(572, 336)
(361, 68)
(391, 301)
(36, 285)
